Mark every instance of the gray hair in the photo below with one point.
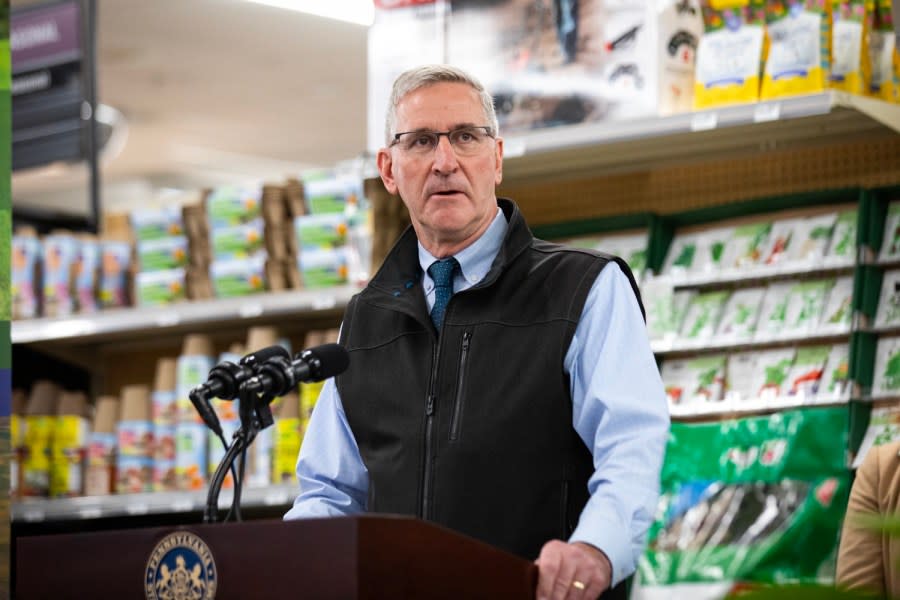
(419, 77)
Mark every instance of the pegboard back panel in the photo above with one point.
(675, 189)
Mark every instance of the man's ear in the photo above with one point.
(498, 170)
(385, 163)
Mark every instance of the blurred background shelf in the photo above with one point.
(727, 132)
(38, 510)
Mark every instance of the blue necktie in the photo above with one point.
(442, 272)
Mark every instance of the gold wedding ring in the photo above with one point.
(578, 585)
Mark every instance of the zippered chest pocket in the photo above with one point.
(459, 400)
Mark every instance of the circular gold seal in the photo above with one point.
(181, 567)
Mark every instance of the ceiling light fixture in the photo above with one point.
(360, 12)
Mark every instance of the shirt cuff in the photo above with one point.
(607, 535)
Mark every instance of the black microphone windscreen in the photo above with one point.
(264, 354)
(332, 359)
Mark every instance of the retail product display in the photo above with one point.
(687, 319)
(730, 53)
(798, 59)
(70, 441)
(100, 477)
(161, 251)
(38, 439)
(632, 247)
(149, 437)
(134, 441)
(758, 379)
(886, 379)
(748, 502)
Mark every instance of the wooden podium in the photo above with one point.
(349, 557)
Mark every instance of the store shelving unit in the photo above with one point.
(731, 131)
(595, 151)
(178, 318)
(38, 510)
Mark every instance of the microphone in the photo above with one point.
(279, 376)
(224, 382)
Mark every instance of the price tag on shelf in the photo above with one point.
(767, 111)
(138, 508)
(90, 512)
(182, 505)
(170, 318)
(250, 310)
(33, 515)
(704, 121)
(276, 498)
(323, 302)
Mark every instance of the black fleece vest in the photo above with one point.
(471, 427)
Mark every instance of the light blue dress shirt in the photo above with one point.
(618, 409)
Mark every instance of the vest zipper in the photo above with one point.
(457, 404)
(425, 509)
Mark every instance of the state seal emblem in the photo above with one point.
(181, 567)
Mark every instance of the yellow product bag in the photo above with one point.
(882, 49)
(70, 439)
(799, 33)
(730, 52)
(851, 22)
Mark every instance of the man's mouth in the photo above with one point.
(445, 192)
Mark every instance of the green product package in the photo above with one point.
(758, 499)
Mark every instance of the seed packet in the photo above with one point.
(769, 376)
(740, 377)
(836, 379)
(882, 49)
(886, 379)
(805, 305)
(888, 313)
(738, 321)
(745, 250)
(730, 53)
(799, 54)
(842, 247)
(666, 309)
(838, 311)
(852, 20)
(702, 318)
(694, 381)
(807, 372)
(810, 241)
(779, 242)
(890, 241)
(773, 313)
(681, 255)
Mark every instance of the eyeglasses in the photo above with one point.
(466, 141)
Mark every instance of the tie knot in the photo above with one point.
(442, 271)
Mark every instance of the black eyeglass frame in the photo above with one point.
(487, 130)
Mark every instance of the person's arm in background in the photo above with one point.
(333, 479)
(860, 564)
(620, 411)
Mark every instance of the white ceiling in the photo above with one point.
(213, 91)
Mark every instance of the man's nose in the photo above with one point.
(444, 156)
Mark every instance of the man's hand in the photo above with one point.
(572, 571)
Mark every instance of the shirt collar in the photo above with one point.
(476, 259)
